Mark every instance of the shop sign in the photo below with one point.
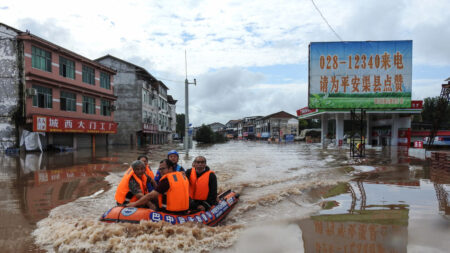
(360, 74)
(70, 125)
(305, 110)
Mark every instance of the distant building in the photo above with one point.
(217, 127)
(277, 125)
(247, 127)
(142, 107)
(47, 88)
(232, 128)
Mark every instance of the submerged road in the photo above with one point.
(294, 197)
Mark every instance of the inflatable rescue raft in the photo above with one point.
(212, 217)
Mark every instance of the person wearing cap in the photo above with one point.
(133, 185)
(202, 185)
(172, 192)
(173, 156)
(151, 183)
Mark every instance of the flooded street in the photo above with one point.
(294, 198)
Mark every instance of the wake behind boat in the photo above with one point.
(212, 217)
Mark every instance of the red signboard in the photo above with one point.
(149, 128)
(305, 110)
(416, 104)
(70, 125)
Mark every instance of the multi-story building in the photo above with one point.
(217, 127)
(249, 127)
(142, 104)
(232, 128)
(278, 124)
(50, 89)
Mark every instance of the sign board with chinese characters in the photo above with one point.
(43, 123)
(373, 74)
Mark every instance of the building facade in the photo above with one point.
(172, 117)
(55, 91)
(277, 125)
(143, 110)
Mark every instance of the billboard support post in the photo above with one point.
(357, 140)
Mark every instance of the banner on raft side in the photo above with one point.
(202, 217)
(369, 75)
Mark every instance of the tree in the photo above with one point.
(436, 111)
(180, 125)
(302, 124)
(204, 134)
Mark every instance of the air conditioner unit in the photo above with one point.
(31, 92)
(113, 108)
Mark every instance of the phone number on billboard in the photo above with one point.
(363, 61)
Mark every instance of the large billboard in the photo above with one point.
(372, 74)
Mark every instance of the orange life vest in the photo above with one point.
(177, 197)
(199, 187)
(149, 172)
(124, 188)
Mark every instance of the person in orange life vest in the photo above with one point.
(173, 156)
(172, 192)
(133, 185)
(202, 185)
(151, 183)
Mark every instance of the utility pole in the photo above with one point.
(186, 108)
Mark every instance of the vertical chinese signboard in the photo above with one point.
(347, 75)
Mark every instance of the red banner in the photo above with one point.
(305, 110)
(69, 125)
(416, 104)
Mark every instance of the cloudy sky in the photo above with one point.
(249, 57)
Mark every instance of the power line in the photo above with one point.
(324, 19)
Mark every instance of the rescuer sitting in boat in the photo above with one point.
(172, 192)
(133, 185)
(151, 183)
(202, 185)
(173, 156)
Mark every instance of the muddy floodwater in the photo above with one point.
(294, 198)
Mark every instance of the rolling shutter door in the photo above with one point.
(100, 140)
(65, 139)
(84, 141)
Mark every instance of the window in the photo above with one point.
(66, 68)
(88, 75)
(88, 105)
(41, 59)
(105, 81)
(43, 98)
(68, 101)
(105, 108)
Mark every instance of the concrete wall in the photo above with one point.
(128, 104)
(9, 86)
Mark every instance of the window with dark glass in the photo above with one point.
(105, 81)
(88, 105)
(41, 59)
(88, 75)
(68, 101)
(66, 68)
(105, 107)
(43, 98)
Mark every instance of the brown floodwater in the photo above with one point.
(294, 198)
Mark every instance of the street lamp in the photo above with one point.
(186, 116)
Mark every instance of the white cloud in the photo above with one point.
(230, 36)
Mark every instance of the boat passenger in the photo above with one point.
(173, 156)
(133, 185)
(151, 183)
(172, 192)
(202, 185)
